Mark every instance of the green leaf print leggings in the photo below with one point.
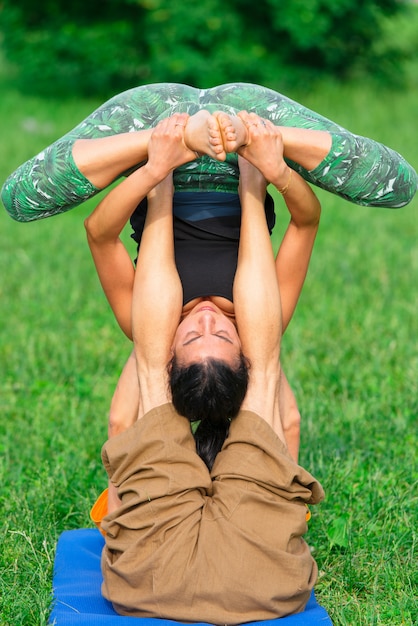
(357, 168)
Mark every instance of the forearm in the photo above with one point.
(112, 214)
(301, 201)
(293, 257)
(292, 263)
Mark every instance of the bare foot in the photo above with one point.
(233, 131)
(203, 136)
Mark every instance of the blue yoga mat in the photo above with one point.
(78, 600)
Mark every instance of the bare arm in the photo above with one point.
(293, 257)
(257, 300)
(104, 225)
(265, 151)
(157, 297)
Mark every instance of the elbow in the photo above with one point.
(316, 215)
(312, 222)
(93, 235)
(88, 228)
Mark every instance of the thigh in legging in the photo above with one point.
(50, 182)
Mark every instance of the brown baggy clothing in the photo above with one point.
(223, 547)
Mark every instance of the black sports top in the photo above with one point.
(206, 239)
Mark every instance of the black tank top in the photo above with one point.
(206, 240)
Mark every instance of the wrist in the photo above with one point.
(283, 180)
(153, 174)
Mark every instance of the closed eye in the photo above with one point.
(195, 336)
(222, 334)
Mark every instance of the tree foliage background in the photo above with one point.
(100, 47)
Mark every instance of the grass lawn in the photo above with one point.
(350, 354)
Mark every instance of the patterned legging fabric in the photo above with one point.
(357, 168)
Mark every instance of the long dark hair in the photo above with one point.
(209, 392)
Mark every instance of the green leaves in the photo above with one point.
(100, 48)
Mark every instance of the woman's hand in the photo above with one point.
(264, 148)
(167, 148)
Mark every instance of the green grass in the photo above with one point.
(350, 354)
